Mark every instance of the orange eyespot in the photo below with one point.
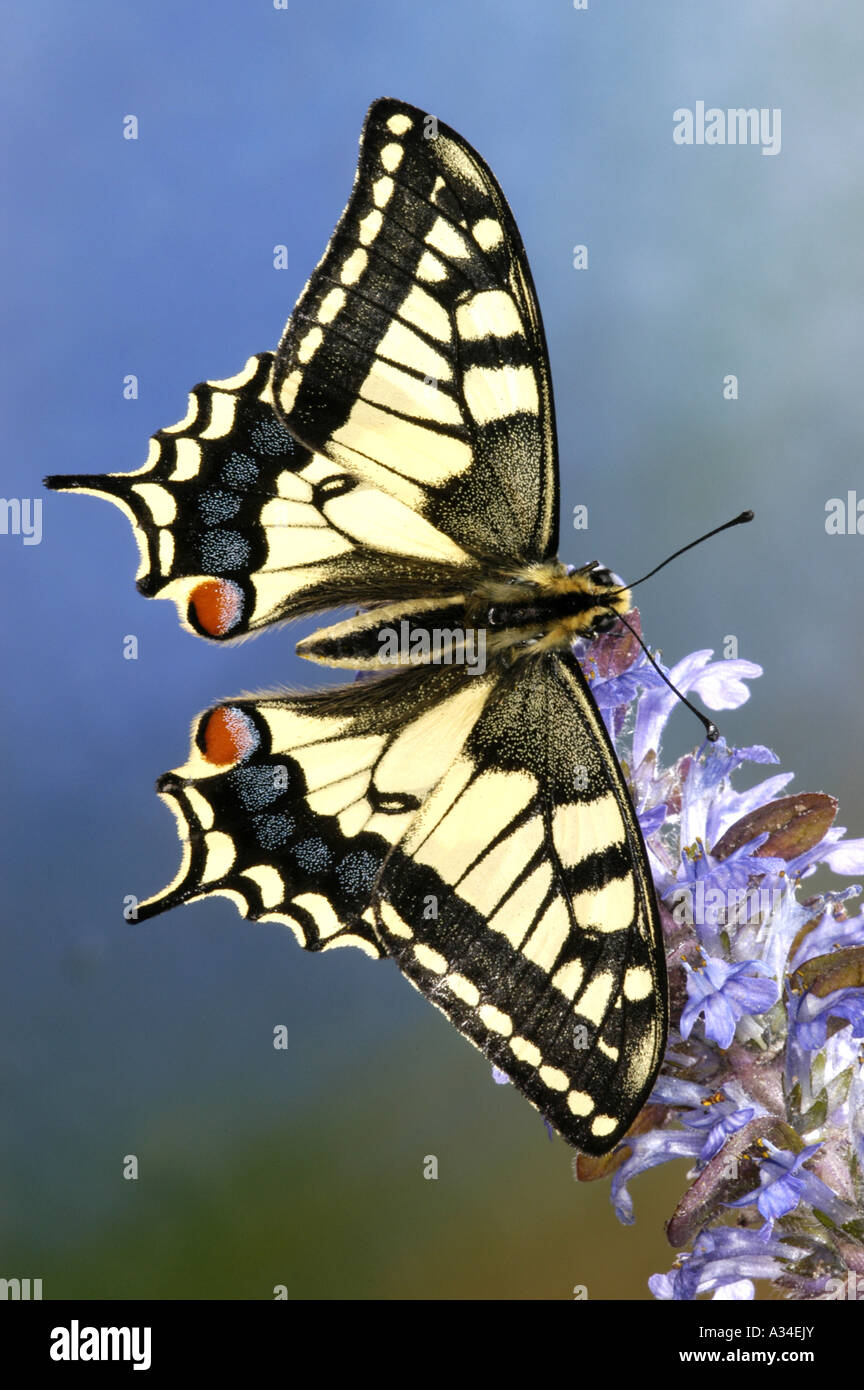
(216, 606)
(227, 736)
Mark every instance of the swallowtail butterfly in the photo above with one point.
(466, 817)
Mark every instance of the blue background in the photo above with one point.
(304, 1167)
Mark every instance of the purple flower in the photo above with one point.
(621, 689)
(838, 1055)
(723, 1262)
(779, 1190)
(649, 821)
(718, 683)
(810, 1015)
(730, 806)
(784, 1183)
(648, 1150)
(705, 788)
(724, 993)
(737, 1292)
(841, 856)
(724, 892)
(834, 931)
(720, 1119)
(673, 1090)
(754, 1071)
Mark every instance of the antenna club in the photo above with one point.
(736, 521)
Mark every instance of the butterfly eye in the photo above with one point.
(602, 577)
(495, 617)
(605, 622)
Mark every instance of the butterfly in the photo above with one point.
(459, 809)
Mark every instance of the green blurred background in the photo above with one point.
(304, 1167)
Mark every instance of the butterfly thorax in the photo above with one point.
(536, 609)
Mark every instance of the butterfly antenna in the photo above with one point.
(711, 730)
(736, 521)
(712, 733)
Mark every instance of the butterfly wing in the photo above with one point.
(289, 804)
(476, 829)
(243, 527)
(401, 443)
(415, 357)
(544, 947)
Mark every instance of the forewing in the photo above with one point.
(544, 946)
(242, 526)
(289, 804)
(415, 357)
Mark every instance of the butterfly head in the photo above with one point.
(606, 597)
(547, 607)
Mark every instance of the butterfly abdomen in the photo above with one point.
(537, 611)
(411, 633)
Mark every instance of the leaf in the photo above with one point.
(793, 824)
(729, 1174)
(810, 925)
(837, 970)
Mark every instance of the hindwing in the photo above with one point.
(476, 829)
(545, 947)
(289, 804)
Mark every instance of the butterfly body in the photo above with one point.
(462, 810)
(508, 618)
